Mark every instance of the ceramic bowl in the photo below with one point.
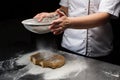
(36, 27)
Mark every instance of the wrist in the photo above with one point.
(67, 23)
(53, 13)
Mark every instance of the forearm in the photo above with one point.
(89, 21)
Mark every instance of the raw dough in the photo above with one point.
(52, 61)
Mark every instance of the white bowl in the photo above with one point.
(36, 27)
(39, 27)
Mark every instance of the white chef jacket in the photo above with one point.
(91, 42)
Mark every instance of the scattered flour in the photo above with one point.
(71, 68)
(111, 74)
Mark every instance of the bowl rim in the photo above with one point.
(26, 22)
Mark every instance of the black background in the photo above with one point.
(14, 37)
(18, 8)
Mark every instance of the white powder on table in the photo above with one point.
(72, 68)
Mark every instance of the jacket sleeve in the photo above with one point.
(110, 6)
(64, 3)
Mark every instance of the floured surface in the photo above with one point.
(71, 68)
(75, 68)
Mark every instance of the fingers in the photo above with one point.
(60, 13)
(57, 21)
(57, 32)
(57, 26)
(42, 15)
(39, 17)
(56, 29)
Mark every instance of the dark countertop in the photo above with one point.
(76, 68)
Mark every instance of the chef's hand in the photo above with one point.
(39, 17)
(60, 24)
(42, 15)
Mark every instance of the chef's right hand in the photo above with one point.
(42, 15)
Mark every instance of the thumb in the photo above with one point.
(60, 13)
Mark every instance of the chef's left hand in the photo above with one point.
(60, 24)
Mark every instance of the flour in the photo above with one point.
(112, 74)
(72, 67)
(46, 55)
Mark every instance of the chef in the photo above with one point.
(86, 25)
